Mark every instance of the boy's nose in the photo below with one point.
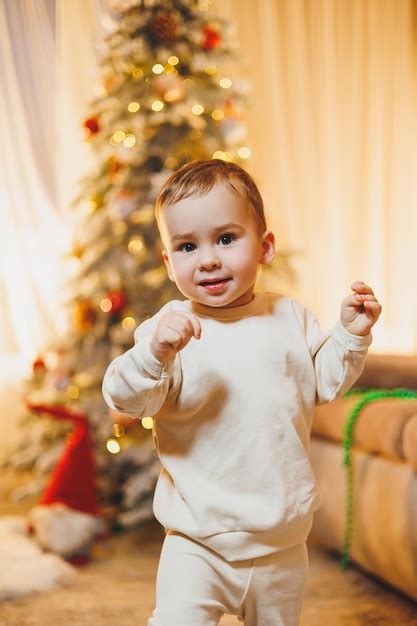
(209, 262)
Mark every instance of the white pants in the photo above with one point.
(195, 586)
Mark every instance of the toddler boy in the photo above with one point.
(231, 377)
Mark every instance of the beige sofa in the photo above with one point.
(384, 455)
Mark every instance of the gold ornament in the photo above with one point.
(85, 316)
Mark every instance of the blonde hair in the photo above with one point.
(199, 177)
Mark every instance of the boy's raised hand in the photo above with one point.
(173, 332)
(360, 310)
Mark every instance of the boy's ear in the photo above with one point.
(268, 248)
(167, 264)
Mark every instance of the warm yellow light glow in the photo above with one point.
(92, 206)
(171, 163)
(244, 152)
(128, 323)
(173, 60)
(118, 430)
(195, 134)
(129, 141)
(137, 72)
(224, 156)
(225, 83)
(147, 422)
(143, 216)
(211, 70)
(154, 277)
(118, 136)
(157, 105)
(133, 107)
(217, 114)
(158, 68)
(171, 70)
(197, 109)
(106, 305)
(73, 392)
(119, 227)
(135, 246)
(113, 446)
(172, 94)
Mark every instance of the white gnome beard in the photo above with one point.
(25, 568)
(63, 530)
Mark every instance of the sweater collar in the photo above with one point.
(230, 313)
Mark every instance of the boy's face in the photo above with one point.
(213, 248)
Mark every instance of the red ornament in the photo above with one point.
(38, 366)
(91, 124)
(118, 301)
(211, 38)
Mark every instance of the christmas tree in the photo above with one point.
(165, 101)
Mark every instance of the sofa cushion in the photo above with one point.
(384, 537)
(389, 371)
(410, 441)
(380, 427)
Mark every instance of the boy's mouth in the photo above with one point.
(214, 285)
(213, 281)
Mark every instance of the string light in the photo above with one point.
(106, 305)
(224, 156)
(158, 68)
(171, 163)
(137, 72)
(118, 136)
(244, 152)
(147, 423)
(211, 70)
(133, 107)
(135, 245)
(225, 83)
(129, 141)
(73, 392)
(157, 105)
(217, 114)
(172, 94)
(197, 109)
(113, 446)
(173, 60)
(128, 323)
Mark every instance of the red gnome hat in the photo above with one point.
(73, 481)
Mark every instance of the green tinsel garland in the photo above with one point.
(368, 395)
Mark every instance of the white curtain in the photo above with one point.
(31, 232)
(334, 131)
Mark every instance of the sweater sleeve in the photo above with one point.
(136, 382)
(338, 356)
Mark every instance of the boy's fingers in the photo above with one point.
(195, 323)
(365, 297)
(360, 287)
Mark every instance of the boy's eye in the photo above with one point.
(226, 239)
(187, 247)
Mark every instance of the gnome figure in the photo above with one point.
(66, 520)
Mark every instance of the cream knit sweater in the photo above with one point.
(233, 415)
